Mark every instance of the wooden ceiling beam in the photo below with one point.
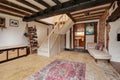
(8, 13)
(66, 7)
(103, 8)
(57, 2)
(93, 14)
(13, 10)
(15, 6)
(43, 22)
(87, 19)
(69, 15)
(29, 4)
(90, 18)
(43, 3)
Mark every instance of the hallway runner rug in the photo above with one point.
(61, 70)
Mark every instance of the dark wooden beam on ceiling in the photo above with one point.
(84, 17)
(114, 16)
(57, 2)
(13, 10)
(72, 1)
(91, 14)
(69, 15)
(118, 2)
(8, 13)
(101, 8)
(29, 4)
(66, 7)
(43, 3)
(43, 22)
(16, 6)
(90, 18)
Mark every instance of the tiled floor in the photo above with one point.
(22, 68)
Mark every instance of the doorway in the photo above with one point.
(79, 36)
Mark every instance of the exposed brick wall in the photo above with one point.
(102, 25)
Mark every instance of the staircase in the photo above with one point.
(52, 44)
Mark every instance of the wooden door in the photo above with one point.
(79, 36)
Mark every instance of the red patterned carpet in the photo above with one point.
(61, 70)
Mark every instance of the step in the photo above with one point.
(43, 48)
(43, 53)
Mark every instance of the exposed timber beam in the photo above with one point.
(89, 18)
(43, 3)
(8, 13)
(43, 22)
(15, 6)
(93, 14)
(57, 2)
(66, 7)
(29, 4)
(69, 15)
(103, 8)
(12, 10)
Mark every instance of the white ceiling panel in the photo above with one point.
(18, 3)
(50, 2)
(16, 8)
(36, 4)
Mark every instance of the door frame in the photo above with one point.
(74, 35)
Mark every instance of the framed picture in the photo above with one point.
(14, 23)
(89, 28)
(2, 22)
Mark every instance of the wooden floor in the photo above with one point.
(22, 68)
(116, 65)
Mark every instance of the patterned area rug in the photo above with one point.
(61, 70)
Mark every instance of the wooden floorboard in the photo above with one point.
(116, 65)
(22, 68)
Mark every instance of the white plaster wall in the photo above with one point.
(11, 36)
(114, 45)
(89, 39)
(41, 30)
(72, 39)
(68, 39)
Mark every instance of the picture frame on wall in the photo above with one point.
(14, 23)
(89, 28)
(2, 22)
